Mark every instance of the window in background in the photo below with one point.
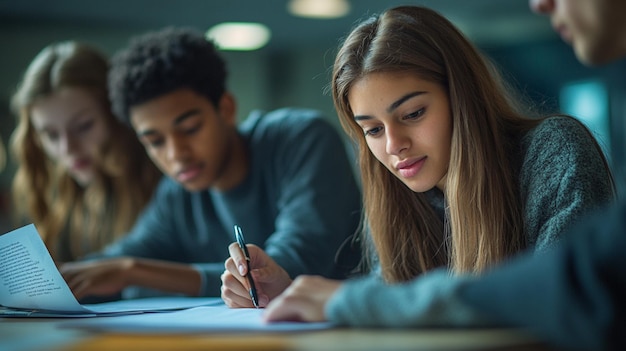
(589, 102)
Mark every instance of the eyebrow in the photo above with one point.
(394, 105)
(180, 119)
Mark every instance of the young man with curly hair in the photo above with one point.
(283, 176)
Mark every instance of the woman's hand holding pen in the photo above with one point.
(270, 278)
(305, 300)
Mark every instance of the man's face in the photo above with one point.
(189, 138)
(596, 29)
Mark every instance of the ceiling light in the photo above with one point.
(239, 36)
(319, 8)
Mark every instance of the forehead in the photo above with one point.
(63, 107)
(165, 111)
(383, 88)
(399, 80)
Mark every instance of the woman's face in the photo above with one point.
(71, 125)
(407, 125)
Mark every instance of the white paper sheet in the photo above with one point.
(31, 285)
(195, 320)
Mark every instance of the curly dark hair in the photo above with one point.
(161, 62)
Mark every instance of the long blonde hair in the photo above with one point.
(483, 204)
(71, 219)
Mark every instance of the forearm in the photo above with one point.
(165, 276)
(428, 301)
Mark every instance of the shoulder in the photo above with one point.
(561, 153)
(286, 125)
(560, 136)
(558, 131)
(286, 119)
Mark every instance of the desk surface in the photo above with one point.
(44, 334)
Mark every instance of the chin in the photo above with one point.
(196, 186)
(82, 179)
(591, 58)
(419, 188)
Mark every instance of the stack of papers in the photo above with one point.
(31, 285)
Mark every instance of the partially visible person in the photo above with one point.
(594, 29)
(82, 176)
(283, 176)
(571, 296)
(454, 173)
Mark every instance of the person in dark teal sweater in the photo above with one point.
(284, 176)
(571, 295)
(453, 173)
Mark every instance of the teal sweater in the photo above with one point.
(561, 177)
(300, 202)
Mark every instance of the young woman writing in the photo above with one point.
(572, 296)
(454, 174)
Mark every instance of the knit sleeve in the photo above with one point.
(427, 301)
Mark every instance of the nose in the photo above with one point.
(177, 149)
(397, 141)
(68, 144)
(542, 6)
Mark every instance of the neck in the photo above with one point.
(236, 164)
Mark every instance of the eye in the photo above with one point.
(85, 126)
(190, 126)
(372, 131)
(50, 135)
(417, 114)
(193, 129)
(153, 142)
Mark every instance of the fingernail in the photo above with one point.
(264, 300)
(241, 269)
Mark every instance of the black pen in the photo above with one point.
(242, 245)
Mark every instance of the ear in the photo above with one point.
(228, 108)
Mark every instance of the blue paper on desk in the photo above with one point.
(31, 285)
(206, 319)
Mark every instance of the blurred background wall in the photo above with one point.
(293, 68)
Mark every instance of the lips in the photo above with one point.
(563, 32)
(189, 173)
(409, 168)
(80, 164)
